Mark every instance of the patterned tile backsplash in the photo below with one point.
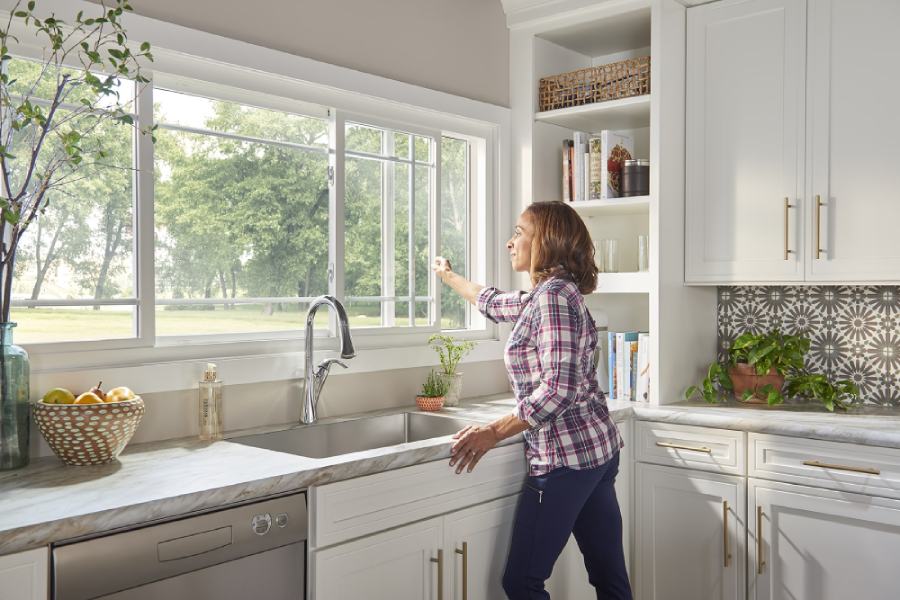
(854, 330)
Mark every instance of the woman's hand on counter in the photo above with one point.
(471, 444)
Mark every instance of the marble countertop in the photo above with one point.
(48, 502)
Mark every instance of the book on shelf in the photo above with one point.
(578, 172)
(615, 149)
(628, 373)
(594, 171)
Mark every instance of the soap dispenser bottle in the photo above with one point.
(210, 404)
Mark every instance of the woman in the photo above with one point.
(571, 443)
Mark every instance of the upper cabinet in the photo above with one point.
(745, 83)
(791, 142)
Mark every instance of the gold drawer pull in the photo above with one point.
(760, 563)
(727, 552)
(440, 573)
(825, 465)
(703, 449)
(464, 552)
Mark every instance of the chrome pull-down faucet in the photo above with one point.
(315, 379)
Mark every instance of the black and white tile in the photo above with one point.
(854, 330)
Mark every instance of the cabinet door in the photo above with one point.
(821, 544)
(23, 576)
(854, 150)
(393, 565)
(476, 542)
(744, 141)
(690, 534)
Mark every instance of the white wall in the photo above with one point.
(455, 46)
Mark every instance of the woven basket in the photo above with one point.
(429, 403)
(88, 434)
(616, 80)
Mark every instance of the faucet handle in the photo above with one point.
(325, 365)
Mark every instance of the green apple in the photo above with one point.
(59, 396)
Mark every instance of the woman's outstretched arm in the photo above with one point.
(459, 284)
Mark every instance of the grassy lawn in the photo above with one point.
(58, 325)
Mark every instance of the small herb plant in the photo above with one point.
(434, 386)
(450, 351)
(785, 355)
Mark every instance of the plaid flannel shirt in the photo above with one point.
(549, 360)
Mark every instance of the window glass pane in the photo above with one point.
(423, 149)
(421, 242)
(175, 108)
(401, 241)
(238, 219)
(360, 138)
(362, 238)
(401, 145)
(72, 323)
(454, 225)
(33, 79)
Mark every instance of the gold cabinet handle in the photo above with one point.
(465, 569)
(760, 563)
(825, 465)
(787, 216)
(725, 549)
(818, 226)
(703, 449)
(440, 574)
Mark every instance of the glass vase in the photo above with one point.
(14, 401)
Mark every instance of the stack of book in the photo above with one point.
(592, 165)
(628, 366)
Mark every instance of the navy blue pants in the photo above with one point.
(553, 506)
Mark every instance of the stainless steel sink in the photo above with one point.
(367, 433)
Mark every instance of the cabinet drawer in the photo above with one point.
(717, 450)
(834, 465)
(349, 509)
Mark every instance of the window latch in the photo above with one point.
(330, 175)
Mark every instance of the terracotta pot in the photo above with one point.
(429, 403)
(744, 377)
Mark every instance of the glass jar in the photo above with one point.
(14, 401)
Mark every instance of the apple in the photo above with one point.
(119, 394)
(88, 398)
(58, 396)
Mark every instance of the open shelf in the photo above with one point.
(626, 113)
(637, 282)
(634, 205)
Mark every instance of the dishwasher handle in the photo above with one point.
(194, 545)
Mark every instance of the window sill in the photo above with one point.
(182, 374)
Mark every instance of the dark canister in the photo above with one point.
(636, 177)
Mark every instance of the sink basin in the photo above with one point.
(366, 433)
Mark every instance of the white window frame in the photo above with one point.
(213, 62)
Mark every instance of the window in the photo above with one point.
(241, 215)
(240, 233)
(75, 274)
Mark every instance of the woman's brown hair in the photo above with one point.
(561, 246)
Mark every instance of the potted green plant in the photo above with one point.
(450, 351)
(433, 392)
(764, 368)
(49, 133)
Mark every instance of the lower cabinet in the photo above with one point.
(24, 576)
(690, 531)
(460, 555)
(807, 542)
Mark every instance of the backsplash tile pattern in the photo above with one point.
(854, 330)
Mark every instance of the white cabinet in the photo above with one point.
(821, 544)
(24, 576)
(476, 542)
(690, 531)
(399, 564)
(792, 142)
(745, 93)
(853, 129)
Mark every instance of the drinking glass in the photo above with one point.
(643, 253)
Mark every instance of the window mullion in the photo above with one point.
(336, 164)
(144, 250)
(411, 235)
(434, 290)
(388, 286)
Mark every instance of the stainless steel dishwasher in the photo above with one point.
(253, 551)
